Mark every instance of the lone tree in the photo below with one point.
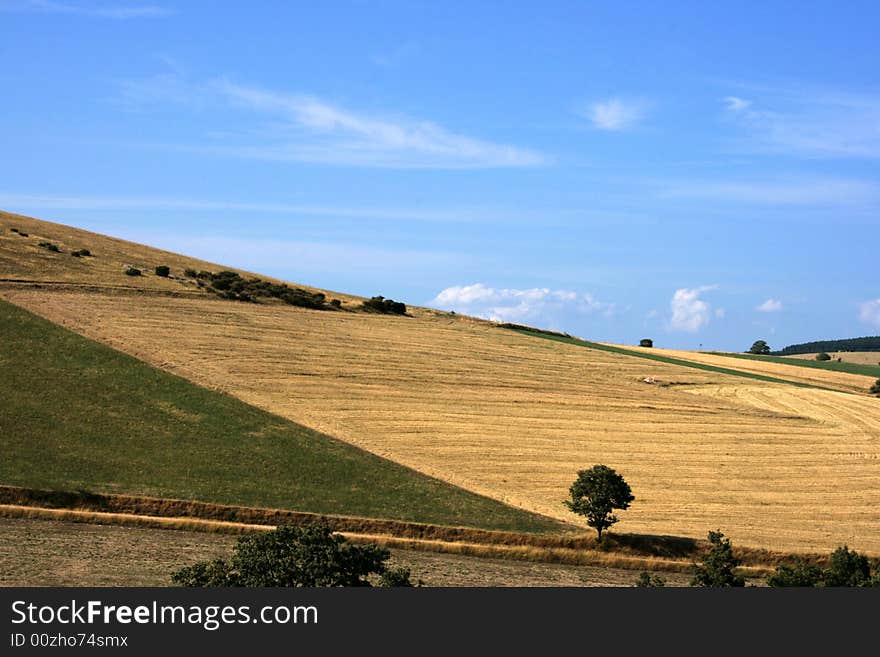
(295, 556)
(646, 342)
(823, 356)
(717, 569)
(760, 347)
(596, 493)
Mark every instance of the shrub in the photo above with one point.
(290, 555)
(648, 581)
(717, 569)
(336, 303)
(22, 233)
(397, 577)
(385, 306)
(50, 247)
(81, 253)
(14, 230)
(823, 356)
(798, 573)
(849, 568)
(132, 271)
(875, 388)
(759, 347)
(163, 271)
(646, 342)
(190, 273)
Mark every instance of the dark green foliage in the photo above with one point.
(14, 230)
(230, 285)
(398, 577)
(190, 273)
(798, 573)
(834, 365)
(596, 493)
(823, 356)
(50, 247)
(648, 581)
(646, 342)
(81, 253)
(336, 303)
(293, 556)
(385, 306)
(759, 347)
(717, 569)
(867, 343)
(163, 271)
(849, 568)
(75, 414)
(132, 271)
(22, 233)
(875, 388)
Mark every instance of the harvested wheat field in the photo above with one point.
(856, 357)
(818, 377)
(514, 417)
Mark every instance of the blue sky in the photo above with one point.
(702, 175)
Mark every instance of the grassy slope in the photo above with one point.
(666, 359)
(831, 365)
(77, 414)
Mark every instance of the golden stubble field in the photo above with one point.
(515, 417)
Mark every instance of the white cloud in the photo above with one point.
(770, 306)
(113, 12)
(475, 214)
(869, 312)
(690, 313)
(735, 104)
(315, 130)
(813, 124)
(503, 304)
(615, 114)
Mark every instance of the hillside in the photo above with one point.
(513, 417)
(867, 343)
(78, 415)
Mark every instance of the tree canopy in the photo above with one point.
(596, 493)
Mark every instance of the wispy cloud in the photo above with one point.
(814, 124)
(354, 138)
(869, 312)
(505, 304)
(770, 306)
(118, 12)
(690, 312)
(305, 128)
(615, 114)
(810, 191)
(463, 214)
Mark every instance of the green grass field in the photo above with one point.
(77, 415)
(833, 365)
(664, 359)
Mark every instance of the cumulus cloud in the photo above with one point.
(615, 114)
(770, 306)
(690, 312)
(505, 304)
(869, 312)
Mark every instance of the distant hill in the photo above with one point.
(868, 343)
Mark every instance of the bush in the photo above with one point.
(646, 342)
(81, 253)
(293, 556)
(22, 233)
(717, 569)
(14, 230)
(163, 271)
(336, 303)
(759, 347)
(798, 573)
(823, 356)
(190, 273)
(648, 581)
(50, 247)
(132, 271)
(398, 577)
(385, 306)
(875, 388)
(849, 568)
